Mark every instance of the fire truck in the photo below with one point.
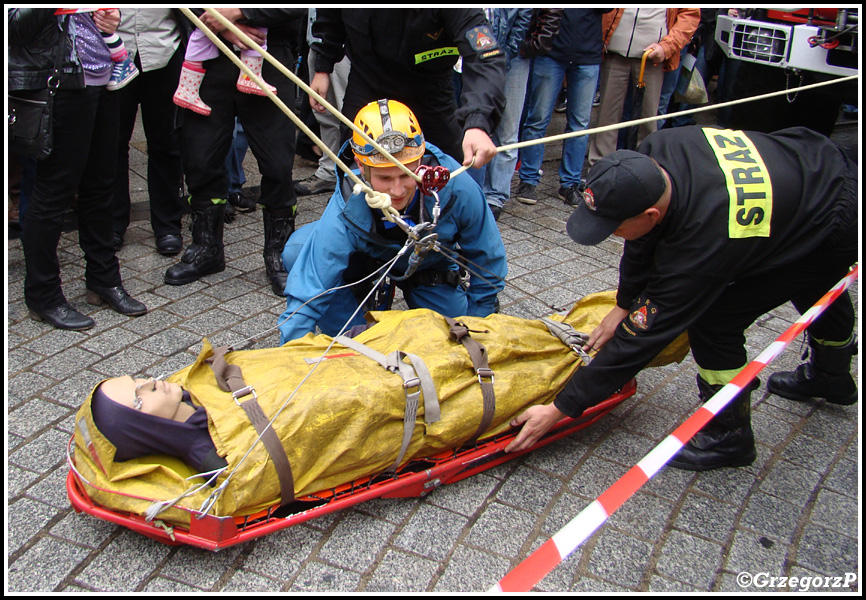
(785, 48)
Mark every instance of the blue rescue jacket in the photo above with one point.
(348, 225)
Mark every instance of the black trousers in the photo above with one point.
(718, 339)
(205, 141)
(152, 91)
(84, 161)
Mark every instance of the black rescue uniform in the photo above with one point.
(206, 140)
(408, 55)
(755, 220)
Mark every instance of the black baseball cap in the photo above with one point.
(618, 187)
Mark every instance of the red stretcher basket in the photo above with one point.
(415, 479)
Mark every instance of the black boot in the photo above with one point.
(827, 375)
(279, 225)
(205, 255)
(727, 440)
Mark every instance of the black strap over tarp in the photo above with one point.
(230, 379)
(478, 354)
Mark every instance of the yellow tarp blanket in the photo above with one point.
(346, 421)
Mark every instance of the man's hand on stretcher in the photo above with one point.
(536, 420)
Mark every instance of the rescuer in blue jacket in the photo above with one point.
(352, 240)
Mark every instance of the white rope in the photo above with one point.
(622, 125)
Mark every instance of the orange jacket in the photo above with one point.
(682, 23)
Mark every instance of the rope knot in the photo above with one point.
(378, 200)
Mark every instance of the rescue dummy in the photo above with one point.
(338, 414)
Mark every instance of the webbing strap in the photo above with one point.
(230, 379)
(570, 337)
(415, 375)
(478, 354)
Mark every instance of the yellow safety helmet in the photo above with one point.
(394, 127)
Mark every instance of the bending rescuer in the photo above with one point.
(721, 227)
(351, 239)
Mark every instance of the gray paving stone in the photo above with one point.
(44, 566)
(643, 516)
(529, 489)
(471, 570)
(810, 453)
(500, 529)
(754, 553)
(47, 450)
(619, 558)
(124, 565)
(199, 568)
(245, 581)
(33, 417)
(281, 554)
(83, 529)
(836, 511)
(844, 478)
(791, 482)
(826, 552)
(689, 559)
(431, 532)
(771, 516)
(51, 489)
(323, 578)
(355, 542)
(401, 572)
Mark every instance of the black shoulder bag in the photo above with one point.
(31, 127)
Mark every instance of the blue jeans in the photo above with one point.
(497, 174)
(235, 159)
(546, 84)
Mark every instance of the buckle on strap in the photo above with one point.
(244, 391)
(411, 383)
(484, 372)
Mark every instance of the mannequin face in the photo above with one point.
(394, 182)
(157, 398)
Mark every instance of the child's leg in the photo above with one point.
(124, 69)
(254, 61)
(115, 46)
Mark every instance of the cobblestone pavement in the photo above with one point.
(793, 513)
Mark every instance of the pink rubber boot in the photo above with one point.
(187, 94)
(247, 85)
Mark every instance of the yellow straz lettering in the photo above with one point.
(437, 53)
(750, 191)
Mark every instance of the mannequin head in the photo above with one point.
(142, 417)
(149, 396)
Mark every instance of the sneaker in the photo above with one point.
(313, 185)
(596, 100)
(526, 193)
(122, 73)
(560, 106)
(569, 195)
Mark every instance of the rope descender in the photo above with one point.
(432, 178)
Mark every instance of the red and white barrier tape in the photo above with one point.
(538, 564)
(72, 11)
